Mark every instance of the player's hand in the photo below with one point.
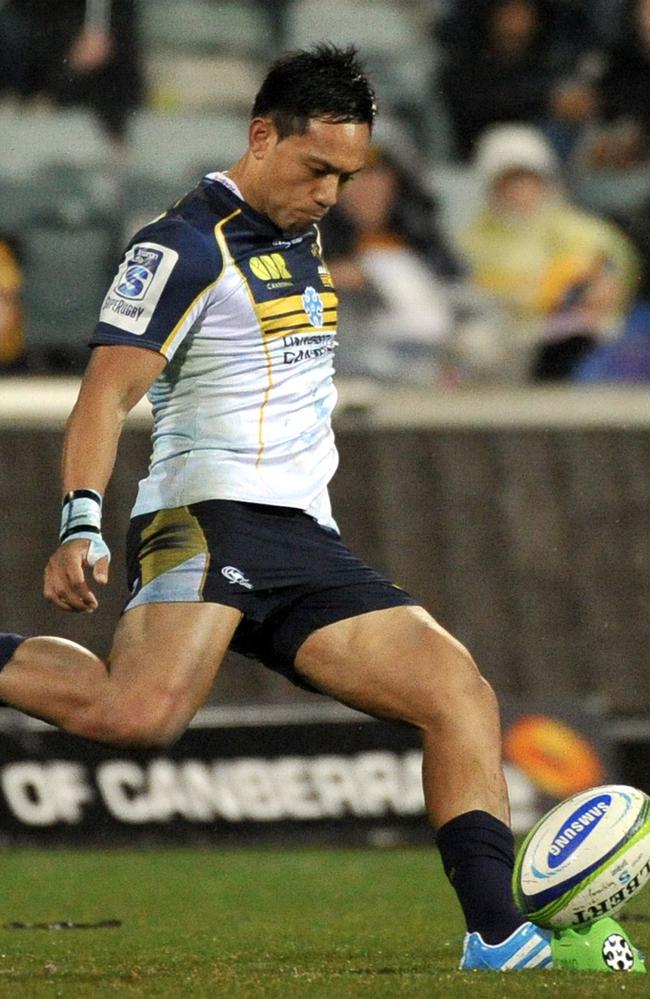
(66, 585)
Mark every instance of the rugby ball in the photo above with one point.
(585, 858)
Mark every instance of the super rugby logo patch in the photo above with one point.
(140, 272)
(137, 287)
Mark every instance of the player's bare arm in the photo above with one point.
(116, 379)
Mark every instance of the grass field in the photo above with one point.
(319, 924)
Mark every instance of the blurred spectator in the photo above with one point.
(11, 334)
(75, 52)
(565, 277)
(389, 263)
(623, 139)
(625, 359)
(514, 61)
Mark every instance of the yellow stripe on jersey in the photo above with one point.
(297, 320)
(224, 252)
(267, 354)
(287, 315)
(292, 303)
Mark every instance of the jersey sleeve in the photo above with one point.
(160, 288)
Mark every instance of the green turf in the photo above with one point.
(245, 924)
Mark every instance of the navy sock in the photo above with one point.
(8, 645)
(478, 855)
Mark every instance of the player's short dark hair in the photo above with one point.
(325, 82)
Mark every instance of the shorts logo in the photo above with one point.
(234, 575)
(139, 274)
(313, 305)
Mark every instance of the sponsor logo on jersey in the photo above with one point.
(313, 305)
(270, 267)
(234, 575)
(576, 829)
(306, 347)
(137, 287)
(286, 244)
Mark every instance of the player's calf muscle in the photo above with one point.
(65, 684)
(52, 678)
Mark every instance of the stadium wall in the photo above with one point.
(520, 518)
(266, 774)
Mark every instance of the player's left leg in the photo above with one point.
(399, 663)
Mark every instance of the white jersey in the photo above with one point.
(246, 317)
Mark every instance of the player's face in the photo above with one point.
(300, 177)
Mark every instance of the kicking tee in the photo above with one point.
(246, 317)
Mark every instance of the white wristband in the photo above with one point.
(81, 520)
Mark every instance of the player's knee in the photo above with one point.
(151, 729)
(455, 685)
(126, 722)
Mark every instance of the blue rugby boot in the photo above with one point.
(528, 947)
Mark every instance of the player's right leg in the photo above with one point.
(164, 659)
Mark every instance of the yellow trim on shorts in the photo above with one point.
(222, 244)
(172, 537)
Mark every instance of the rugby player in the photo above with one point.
(223, 311)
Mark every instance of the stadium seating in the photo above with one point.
(67, 270)
(188, 83)
(161, 145)
(394, 45)
(32, 137)
(209, 58)
(144, 197)
(616, 193)
(21, 201)
(458, 192)
(168, 146)
(204, 26)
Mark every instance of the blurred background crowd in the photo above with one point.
(499, 235)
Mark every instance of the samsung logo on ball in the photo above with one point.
(576, 828)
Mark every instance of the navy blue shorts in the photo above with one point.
(287, 574)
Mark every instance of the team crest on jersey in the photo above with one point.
(140, 271)
(313, 305)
